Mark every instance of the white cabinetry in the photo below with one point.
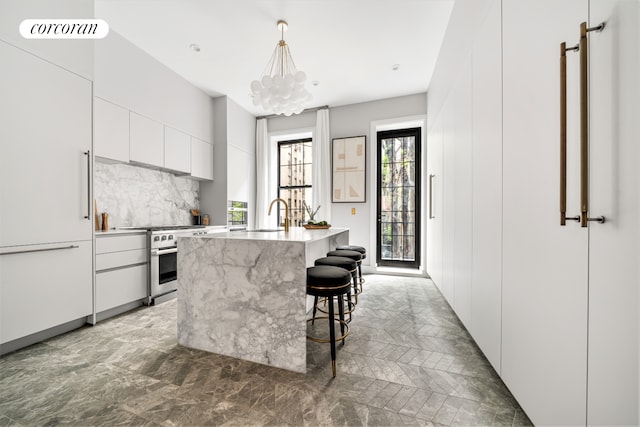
(238, 162)
(544, 317)
(122, 268)
(43, 286)
(614, 247)
(44, 152)
(462, 207)
(146, 141)
(177, 150)
(486, 271)
(554, 308)
(435, 211)
(111, 130)
(45, 189)
(201, 159)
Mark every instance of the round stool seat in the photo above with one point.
(327, 280)
(360, 249)
(338, 261)
(349, 265)
(354, 255)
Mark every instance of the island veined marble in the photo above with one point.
(243, 294)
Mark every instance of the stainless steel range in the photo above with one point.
(163, 257)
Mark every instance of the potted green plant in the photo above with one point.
(312, 223)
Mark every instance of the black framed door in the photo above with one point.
(398, 199)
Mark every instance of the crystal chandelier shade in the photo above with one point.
(281, 89)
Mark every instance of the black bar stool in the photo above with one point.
(357, 257)
(329, 281)
(349, 265)
(362, 251)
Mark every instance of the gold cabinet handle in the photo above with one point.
(584, 125)
(563, 134)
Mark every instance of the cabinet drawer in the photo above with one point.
(127, 242)
(117, 287)
(120, 259)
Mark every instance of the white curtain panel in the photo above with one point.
(321, 190)
(263, 183)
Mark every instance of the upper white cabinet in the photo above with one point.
(238, 162)
(177, 150)
(111, 130)
(201, 159)
(73, 55)
(44, 152)
(146, 144)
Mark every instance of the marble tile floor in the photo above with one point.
(406, 361)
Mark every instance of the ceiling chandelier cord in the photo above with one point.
(281, 89)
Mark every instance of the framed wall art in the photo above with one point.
(349, 170)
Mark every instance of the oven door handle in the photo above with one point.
(158, 252)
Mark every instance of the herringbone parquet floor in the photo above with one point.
(407, 361)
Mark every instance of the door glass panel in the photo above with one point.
(398, 205)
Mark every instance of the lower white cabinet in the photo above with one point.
(122, 268)
(43, 286)
(121, 286)
(201, 159)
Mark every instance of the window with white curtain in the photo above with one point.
(295, 160)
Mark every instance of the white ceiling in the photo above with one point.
(347, 46)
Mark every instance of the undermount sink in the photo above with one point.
(266, 230)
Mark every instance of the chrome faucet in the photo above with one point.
(286, 212)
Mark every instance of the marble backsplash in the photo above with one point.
(136, 196)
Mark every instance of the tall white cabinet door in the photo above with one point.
(448, 192)
(463, 208)
(111, 130)
(146, 140)
(435, 212)
(44, 138)
(486, 276)
(544, 327)
(614, 247)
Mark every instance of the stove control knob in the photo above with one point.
(155, 239)
(170, 236)
(164, 237)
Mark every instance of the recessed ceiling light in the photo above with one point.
(395, 67)
(194, 47)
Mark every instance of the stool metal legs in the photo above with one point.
(344, 327)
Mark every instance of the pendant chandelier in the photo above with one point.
(281, 89)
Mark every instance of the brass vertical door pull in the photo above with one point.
(431, 196)
(584, 124)
(563, 134)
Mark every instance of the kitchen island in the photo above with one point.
(243, 294)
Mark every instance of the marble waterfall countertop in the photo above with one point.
(243, 294)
